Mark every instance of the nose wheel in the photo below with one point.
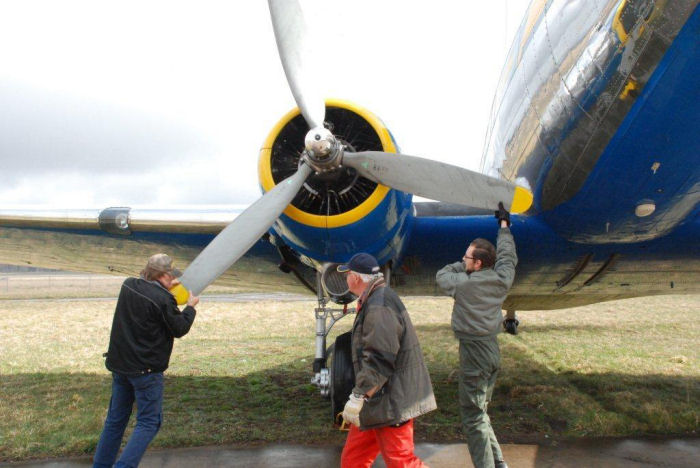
(510, 324)
(334, 382)
(342, 374)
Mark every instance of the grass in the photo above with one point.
(241, 376)
(65, 286)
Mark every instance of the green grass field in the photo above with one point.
(241, 376)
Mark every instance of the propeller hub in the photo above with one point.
(322, 149)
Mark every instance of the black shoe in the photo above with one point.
(511, 326)
(501, 463)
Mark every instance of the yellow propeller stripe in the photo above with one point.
(522, 199)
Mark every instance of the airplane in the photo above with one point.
(593, 138)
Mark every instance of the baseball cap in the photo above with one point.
(163, 263)
(360, 263)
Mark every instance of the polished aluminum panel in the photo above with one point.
(50, 218)
(208, 221)
(571, 76)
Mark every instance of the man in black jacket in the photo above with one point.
(145, 322)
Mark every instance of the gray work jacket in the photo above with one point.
(479, 296)
(386, 353)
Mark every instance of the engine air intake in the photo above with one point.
(335, 285)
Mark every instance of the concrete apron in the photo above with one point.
(603, 453)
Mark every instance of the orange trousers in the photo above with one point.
(395, 444)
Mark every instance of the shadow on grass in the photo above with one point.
(50, 415)
(61, 414)
(533, 400)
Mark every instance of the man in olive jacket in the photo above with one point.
(392, 384)
(145, 322)
(479, 284)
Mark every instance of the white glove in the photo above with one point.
(351, 412)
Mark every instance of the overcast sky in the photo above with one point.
(137, 103)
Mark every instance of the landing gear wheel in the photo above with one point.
(511, 326)
(342, 375)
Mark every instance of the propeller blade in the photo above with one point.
(292, 44)
(438, 181)
(244, 231)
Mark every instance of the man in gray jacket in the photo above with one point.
(392, 384)
(479, 284)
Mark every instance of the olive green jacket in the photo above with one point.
(479, 296)
(386, 353)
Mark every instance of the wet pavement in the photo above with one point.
(588, 453)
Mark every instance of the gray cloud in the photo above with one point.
(43, 132)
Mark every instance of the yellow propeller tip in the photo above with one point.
(180, 293)
(522, 199)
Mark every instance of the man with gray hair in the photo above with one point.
(146, 320)
(392, 384)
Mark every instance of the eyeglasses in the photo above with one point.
(471, 258)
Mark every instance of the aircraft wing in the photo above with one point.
(552, 272)
(118, 240)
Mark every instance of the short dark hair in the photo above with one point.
(484, 251)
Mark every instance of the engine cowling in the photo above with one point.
(336, 213)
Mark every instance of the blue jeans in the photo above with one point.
(147, 390)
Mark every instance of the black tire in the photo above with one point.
(342, 374)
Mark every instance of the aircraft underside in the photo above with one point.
(552, 273)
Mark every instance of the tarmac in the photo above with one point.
(612, 453)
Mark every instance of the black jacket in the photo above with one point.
(145, 321)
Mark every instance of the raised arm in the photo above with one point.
(506, 258)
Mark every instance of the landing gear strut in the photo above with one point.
(334, 382)
(337, 381)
